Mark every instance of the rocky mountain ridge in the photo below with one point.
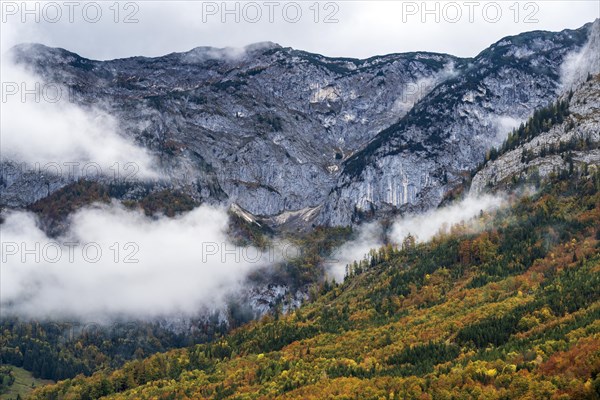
(285, 133)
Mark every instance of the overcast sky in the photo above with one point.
(361, 29)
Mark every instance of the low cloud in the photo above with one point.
(577, 65)
(41, 125)
(370, 236)
(114, 262)
(504, 125)
(422, 227)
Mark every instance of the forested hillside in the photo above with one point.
(510, 310)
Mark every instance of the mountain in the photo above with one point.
(562, 135)
(414, 162)
(505, 307)
(266, 127)
(556, 226)
(285, 134)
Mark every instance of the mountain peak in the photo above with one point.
(205, 53)
(266, 45)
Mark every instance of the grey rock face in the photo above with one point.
(411, 164)
(277, 130)
(268, 128)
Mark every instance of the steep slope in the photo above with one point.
(568, 144)
(277, 130)
(562, 136)
(413, 163)
(266, 127)
(506, 309)
(511, 311)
